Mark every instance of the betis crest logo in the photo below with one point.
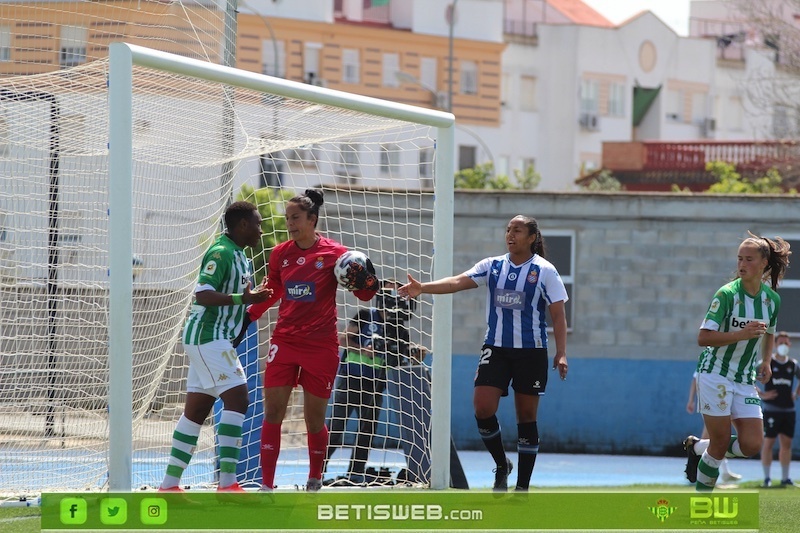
(662, 510)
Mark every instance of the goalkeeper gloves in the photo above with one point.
(361, 278)
(242, 334)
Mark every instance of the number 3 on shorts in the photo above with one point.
(273, 351)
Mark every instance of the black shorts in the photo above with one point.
(776, 422)
(524, 368)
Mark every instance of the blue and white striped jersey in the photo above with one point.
(517, 299)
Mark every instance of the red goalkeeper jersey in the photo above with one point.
(304, 282)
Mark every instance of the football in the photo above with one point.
(341, 269)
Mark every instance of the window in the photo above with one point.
(391, 65)
(527, 93)
(428, 74)
(674, 105)
(273, 58)
(311, 63)
(5, 43)
(73, 46)
(390, 158)
(789, 289)
(616, 100)
(560, 250)
(466, 157)
(426, 163)
(469, 77)
(589, 96)
(348, 159)
(351, 66)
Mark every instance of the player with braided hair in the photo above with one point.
(304, 348)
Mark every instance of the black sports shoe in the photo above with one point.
(501, 476)
(692, 458)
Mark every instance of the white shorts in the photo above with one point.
(214, 367)
(719, 396)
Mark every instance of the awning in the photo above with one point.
(643, 98)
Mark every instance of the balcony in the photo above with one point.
(656, 165)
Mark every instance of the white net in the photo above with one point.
(195, 142)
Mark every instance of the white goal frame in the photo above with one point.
(123, 57)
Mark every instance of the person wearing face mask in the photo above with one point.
(778, 399)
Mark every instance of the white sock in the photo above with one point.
(701, 446)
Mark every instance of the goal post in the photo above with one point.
(124, 59)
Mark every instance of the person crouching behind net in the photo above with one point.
(359, 389)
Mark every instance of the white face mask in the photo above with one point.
(783, 350)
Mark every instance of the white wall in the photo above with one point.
(480, 20)
(311, 10)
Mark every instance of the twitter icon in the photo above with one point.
(113, 511)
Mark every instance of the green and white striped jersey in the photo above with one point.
(225, 268)
(732, 308)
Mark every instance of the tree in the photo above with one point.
(270, 202)
(731, 182)
(481, 177)
(605, 181)
(771, 83)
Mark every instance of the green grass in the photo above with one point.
(779, 511)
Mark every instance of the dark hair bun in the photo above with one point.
(315, 196)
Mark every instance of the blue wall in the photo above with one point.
(624, 406)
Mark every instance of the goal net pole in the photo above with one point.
(123, 58)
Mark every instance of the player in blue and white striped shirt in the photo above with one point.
(521, 285)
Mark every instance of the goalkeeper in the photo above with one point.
(222, 291)
(304, 348)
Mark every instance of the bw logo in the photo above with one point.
(662, 510)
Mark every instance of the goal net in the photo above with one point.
(95, 282)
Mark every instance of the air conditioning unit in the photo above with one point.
(589, 121)
(707, 128)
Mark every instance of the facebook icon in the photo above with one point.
(73, 511)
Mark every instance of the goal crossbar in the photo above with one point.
(123, 58)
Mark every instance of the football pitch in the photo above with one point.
(778, 509)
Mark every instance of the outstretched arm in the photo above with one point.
(448, 285)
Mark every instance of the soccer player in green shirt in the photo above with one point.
(222, 292)
(739, 325)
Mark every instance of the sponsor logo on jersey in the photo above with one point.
(752, 401)
(533, 277)
(211, 267)
(781, 381)
(509, 299)
(714, 306)
(245, 279)
(301, 260)
(740, 323)
(319, 263)
(300, 291)
(216, 255)
(285, 263)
